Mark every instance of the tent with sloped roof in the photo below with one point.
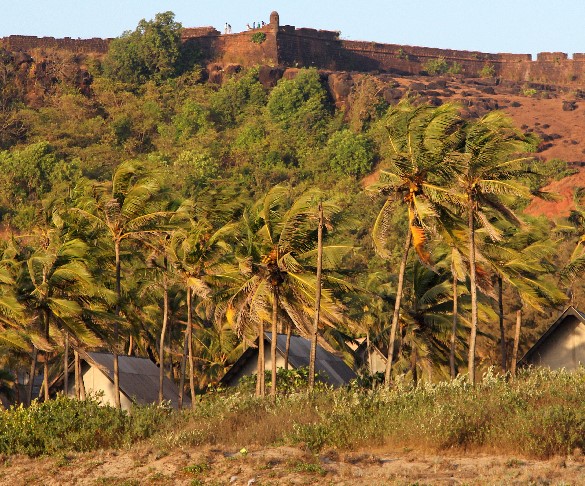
(562, 345)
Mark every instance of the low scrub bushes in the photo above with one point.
(65, 424)
(539, 414)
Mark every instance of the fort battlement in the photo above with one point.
(289, 46)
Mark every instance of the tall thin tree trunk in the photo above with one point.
(170, 373)
(516, 342)
(46, 363)
(313, 355)
(116, 328)
(76, 364)
(66, 365)
(260, 385)
(454, 327)
(183, 370)
(82, 394)
(396, 314)
(190, 345)
(287, 350)
(502, 330)
(273, 342)
(31, 380)
(413, 364)
(162, 343)
(369, 351)
(473, 285)
(131, 345)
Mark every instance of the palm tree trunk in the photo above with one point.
(454, 327)
(413, 364)
(77, 373)
(274, 340)
(131, 345)
(516, 342)
(33, 366)
(473, 285)
(66, 365)
(162, 344)
(502, 330)
(313, 355)
(190, 345)
(46, 363)
(116, 328)
(82, 395)
(396, 314)
(183, 369)
(260, 386)
(287, 350)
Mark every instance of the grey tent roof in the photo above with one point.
(569, 311)
(332, 369)
(138, 377)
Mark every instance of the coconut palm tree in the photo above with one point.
(197, 251)
(128, 208)
(276, 281)
(488, 183)
(58, 291)
(420, 164)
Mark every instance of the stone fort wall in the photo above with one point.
(289, 46)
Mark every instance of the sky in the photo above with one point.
(516, 26)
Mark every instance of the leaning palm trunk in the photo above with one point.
(396, 314)
(116, 329)
(77, 373)
(274, 340)
(313, 355)
(454, 327)
(162, 344)
(33, 366)
(502, 330)
(516, 342)
(287, 349)
(66, 365)
(473, 291)
(46, 363)
(183, 370)
(260, 386)
(190, 345)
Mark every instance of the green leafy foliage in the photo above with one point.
(350, 154)
(258, 37)
(67, 425)
(152, 51)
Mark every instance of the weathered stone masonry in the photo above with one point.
(288, 46)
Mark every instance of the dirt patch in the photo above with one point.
(285, 465)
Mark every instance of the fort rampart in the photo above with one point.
(288, 46)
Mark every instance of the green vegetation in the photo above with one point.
(487, 71)
(540, 414)
(258, 37)
(436, 66)
(153, 213)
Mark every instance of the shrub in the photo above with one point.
(64, 424)
(436, 66)
(349, 153)
(487, 71)
(258, 37)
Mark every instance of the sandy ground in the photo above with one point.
(285, 465)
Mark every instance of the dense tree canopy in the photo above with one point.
(148, 170)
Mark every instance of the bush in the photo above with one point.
(258, 37)
(350, 154)
(436, 66)
(65, 424)
(487, 71)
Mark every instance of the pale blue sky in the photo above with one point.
(519, 26)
